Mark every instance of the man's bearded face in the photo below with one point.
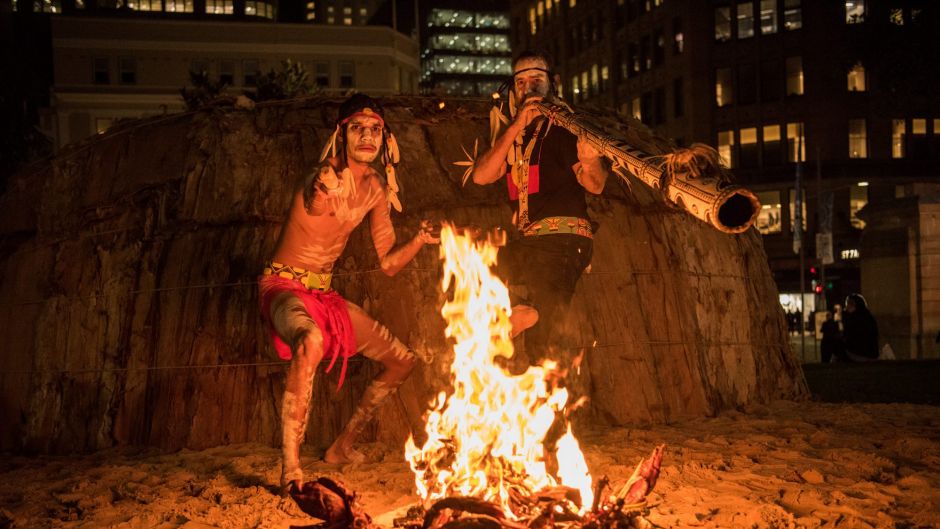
(531, 82)
(363, 139)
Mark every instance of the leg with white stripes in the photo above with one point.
(376, 343)
(296, 328)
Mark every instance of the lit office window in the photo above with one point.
(724, 93)
(898, 130)
(311, 10)
(636, 109)
(634, 57)
(347, 21)
(347, 10)
(220, 7)
(101, 69)
(854, 11)
(768, 17)
(794, 76)
(127, 70)
(605, 77)
(465, 64)
(572, 3)
(259, 9)
(856, 78)
(726, 147)
(796, 142)
(792, 193)
(749, 149)
(858, 198)
(145, 5)
(227, 72)
(540, 11)
(179, 6)
(532, 24)
(771, 144)
(745, 20)
(485, 43)
(919, 146)
(330, 20)
(792, 15)
(251, 71)
(575, 87)
(595, 79)
(858, 139)
(896, 16)
(722, 24)
(768, 218)
(347, 74)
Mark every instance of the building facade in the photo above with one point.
(465, 49)
(839, 86)
(116, 60)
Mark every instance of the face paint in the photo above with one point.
(363, 139)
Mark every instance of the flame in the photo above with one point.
(485, 439)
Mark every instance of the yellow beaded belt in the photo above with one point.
(552, 225)
(307, 278)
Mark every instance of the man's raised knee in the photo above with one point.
(310, 347)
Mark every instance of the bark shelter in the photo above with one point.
(128, 307)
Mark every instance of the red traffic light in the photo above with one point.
(812, 269)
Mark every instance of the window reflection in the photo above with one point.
(745, 20)
(858, 139)
(723, 24)
(856, 78)
(768, 219)
(897, 138)
(858, 198)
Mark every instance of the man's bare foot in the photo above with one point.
(291, 486)
(338, 454)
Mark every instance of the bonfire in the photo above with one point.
(500, 451)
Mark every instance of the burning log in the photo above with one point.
(332, 502)
(554, 508)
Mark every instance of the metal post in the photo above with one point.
(798, 225)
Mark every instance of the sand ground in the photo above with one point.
(779, 466)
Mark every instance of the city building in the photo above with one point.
(115, 59)
(465, 50)
(845, 87)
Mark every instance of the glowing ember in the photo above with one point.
(485, 439)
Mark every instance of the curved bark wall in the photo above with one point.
(128, 310)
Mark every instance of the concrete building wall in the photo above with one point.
(163, 52)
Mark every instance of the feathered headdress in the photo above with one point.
(363, 105)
